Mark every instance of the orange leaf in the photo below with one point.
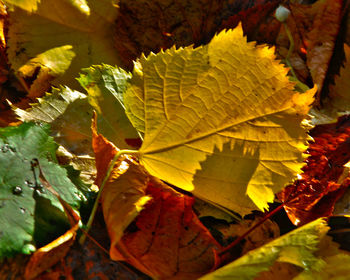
(167, 240)
(47, 256)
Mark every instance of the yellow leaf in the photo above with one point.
(220, 120)
(63, 36)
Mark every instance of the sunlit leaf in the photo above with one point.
(220, 120)
(297, 247)
(321, 184)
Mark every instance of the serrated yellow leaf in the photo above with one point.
(220, 120)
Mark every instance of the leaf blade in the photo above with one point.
(231, 98)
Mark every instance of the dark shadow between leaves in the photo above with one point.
(50, 222)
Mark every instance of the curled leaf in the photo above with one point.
(123, 196)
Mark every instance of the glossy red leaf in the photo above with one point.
(315, 194)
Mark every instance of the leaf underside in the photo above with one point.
(220, 120)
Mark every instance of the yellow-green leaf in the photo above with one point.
(297, 247)
(79, 32)
(221, 120)
(105, 86)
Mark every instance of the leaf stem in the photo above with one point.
(290, 50)
(239, 239)
(108, 174)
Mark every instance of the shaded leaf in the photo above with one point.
(149, 26)
(123, 196)
(167, 218)
(27, 209)
(69, 114)
(339, 92)
(51, 41)
(321, 39)
(297, 247)
(105, 86)
(50, 254)
(222, 107)
(167, 240)
(315, 194)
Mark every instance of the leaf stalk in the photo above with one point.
(95, 207)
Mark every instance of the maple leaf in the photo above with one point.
(220, 115)
(51, 45)
(315, 194)
(165, 217)
(24, 203)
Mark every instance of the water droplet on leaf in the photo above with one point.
(17, 190)
(29, 184)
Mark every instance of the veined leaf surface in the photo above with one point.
(297, 247)
(220, 120)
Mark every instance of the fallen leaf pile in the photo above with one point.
(189, 139)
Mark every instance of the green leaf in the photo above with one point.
(105, 86)
(69, 114)
(297, 247)
(29, 214)
(60, 37)
(221, 120)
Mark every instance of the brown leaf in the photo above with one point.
(145, 26)
(47, 256)
(321, 39)
(315, 194)
(314, 29)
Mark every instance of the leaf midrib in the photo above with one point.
(204, 135)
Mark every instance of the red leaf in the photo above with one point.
(315, 194)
